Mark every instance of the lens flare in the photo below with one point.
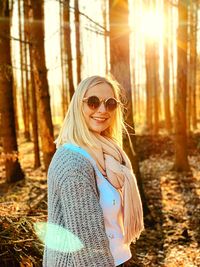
(57, 238)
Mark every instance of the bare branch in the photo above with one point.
(86, 16)
(4, 36)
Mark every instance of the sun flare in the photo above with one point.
(149, 24)
(152, 25)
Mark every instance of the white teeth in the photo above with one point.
(99, 119)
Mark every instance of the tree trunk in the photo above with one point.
(8, 132)
(189, 72)
(37, 163)
(120, 69)
(27, 93)
(41, 83)
(152, 87)
(15, 105)
(189, 99)
(156, 89)
(149, 93)
(24, 115)
(34, 118)
(104, 12)
(181, 160)
(152, 79)
(68, 49)
(78, 48)
(119, 49)
(193, 57)
(63, 64)
(168, 122)
(172, 67)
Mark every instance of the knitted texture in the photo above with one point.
(75, 231)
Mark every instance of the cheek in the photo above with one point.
(86, 114)
(112, 117)
(110, 121)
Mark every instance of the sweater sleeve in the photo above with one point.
(76, 232)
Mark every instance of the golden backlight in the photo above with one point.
(152, 25)
(148, 23)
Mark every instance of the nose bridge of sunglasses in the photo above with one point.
(102, 103)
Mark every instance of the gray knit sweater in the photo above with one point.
(75, 231)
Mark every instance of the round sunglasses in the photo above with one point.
(94, 102)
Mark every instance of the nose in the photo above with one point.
(102, 107)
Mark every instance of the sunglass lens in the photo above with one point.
(93, 102)
(111, 104)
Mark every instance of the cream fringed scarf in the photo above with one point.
(113, 163)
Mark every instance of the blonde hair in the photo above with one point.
(75, 130)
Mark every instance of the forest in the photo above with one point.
(151, 47)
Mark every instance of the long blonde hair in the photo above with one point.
(74, 128)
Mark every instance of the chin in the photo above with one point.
(96, 131)
(99, 131)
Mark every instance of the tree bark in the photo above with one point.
(193, 56)
(63, 63)
(78, 48)
(172, 67)
(68, 49)
(104, 12)
(152, 79)
(34, 119)
(156, 89)
(8, 132)
(15, 105)
(120, 69)
(41, 83)
(26, 70)
(168, 122)
(24, 114)
(149, 93)
(181, 160)
(119, 49)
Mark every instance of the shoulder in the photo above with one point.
(67, 163)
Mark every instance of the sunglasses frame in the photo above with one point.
(85, 99)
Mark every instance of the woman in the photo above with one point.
(94, 207)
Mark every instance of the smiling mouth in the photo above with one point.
(99, 119)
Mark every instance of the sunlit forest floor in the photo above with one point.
(172, 229)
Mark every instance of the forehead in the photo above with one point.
(102, 90)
